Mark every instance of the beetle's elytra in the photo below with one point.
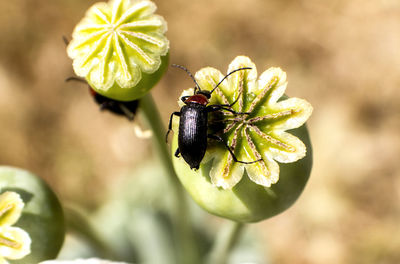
(192, 139)
(193, 123)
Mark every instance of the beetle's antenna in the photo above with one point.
(190, 74)
(72, 78)
(245, 68)
(65, 39)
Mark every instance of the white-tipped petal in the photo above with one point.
(15, 243)
(11, 206)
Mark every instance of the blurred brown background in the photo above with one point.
(341, 55)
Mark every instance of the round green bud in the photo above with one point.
(120, 48)
(280, 161)
(246, 201)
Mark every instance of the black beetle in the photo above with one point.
(193, 123)
(125, 108)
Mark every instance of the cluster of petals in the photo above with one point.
(15, 243)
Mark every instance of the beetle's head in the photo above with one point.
(205, 93)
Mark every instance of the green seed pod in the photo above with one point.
(32, 207)
(120, 48)
(250, 192)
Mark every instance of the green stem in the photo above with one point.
(152, 116)
(186, 250)
(225, 241)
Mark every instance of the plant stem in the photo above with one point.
(152, 116)
(225, 241)
(186, 251)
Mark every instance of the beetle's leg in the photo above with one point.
(177, 152)
(218, 138)
(170, 124)
(213, 108)
(234, 102)
(103, 106)
(184, 98)
(128, 113)
(226, 120)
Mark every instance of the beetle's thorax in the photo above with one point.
(198, 99)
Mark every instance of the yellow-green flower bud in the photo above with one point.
(31, 218)
(250, 192)
(120, 48)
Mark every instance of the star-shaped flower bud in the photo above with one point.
(119, 47)
(15, 243)
(260, 133)
(257, 133)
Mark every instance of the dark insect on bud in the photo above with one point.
(193, 123)
(127, 109)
